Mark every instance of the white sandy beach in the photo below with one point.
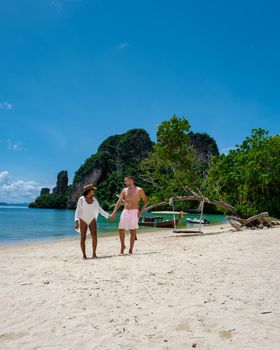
(217, 291)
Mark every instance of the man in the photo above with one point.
(131, 196)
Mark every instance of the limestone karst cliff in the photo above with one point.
(117, 156)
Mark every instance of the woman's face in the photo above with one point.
(90, 194)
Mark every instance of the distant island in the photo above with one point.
(4, 204)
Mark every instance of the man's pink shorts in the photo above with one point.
(129, 219)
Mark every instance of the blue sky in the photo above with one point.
(73, 72)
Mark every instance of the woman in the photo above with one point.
(86, 216)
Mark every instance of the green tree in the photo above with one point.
(171, 169)
(248, 176)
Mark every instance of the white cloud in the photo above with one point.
(6, 105)
(122, 46)
(16, 191)
(13, 146)
(3, 176)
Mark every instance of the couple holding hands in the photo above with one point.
(88, 209)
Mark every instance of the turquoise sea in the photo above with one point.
(21, 224)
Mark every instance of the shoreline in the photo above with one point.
(74, 237)
(100, 235)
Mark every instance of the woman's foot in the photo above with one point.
(84, 257)
(94, 256)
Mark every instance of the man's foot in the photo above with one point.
(122, 249)
(84, 257)
(130, 252)
(94, 256)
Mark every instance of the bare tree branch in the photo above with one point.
(220, 204)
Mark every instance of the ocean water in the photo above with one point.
(22, 224)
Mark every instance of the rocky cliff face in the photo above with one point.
(205, 146)
(58, 198)
(44, 190)
(93, 176)
(61, 183)
(117, 156)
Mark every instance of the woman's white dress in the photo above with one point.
(87, 212)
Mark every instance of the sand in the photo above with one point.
(217, 291)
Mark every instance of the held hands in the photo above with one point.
(112, 217)
(139, 215)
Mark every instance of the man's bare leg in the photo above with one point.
(92, 227)
(122, 238)
(132, 240)
(83, 230)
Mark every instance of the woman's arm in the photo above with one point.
(103, 212)
(78, 210)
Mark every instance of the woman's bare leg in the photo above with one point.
(93, 231)
(83, 230)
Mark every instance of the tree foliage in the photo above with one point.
(248, 176)
(172, 168)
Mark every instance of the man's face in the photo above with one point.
(128, 181)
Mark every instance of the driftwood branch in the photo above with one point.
(260, 221)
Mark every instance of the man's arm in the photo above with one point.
(118, 204)
(145, 200)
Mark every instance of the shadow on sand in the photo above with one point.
(192, 234)
(123, 255)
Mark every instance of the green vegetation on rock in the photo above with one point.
(50, 201)
(117, 156)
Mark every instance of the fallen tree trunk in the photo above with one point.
(259, 218)
(260, 221)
